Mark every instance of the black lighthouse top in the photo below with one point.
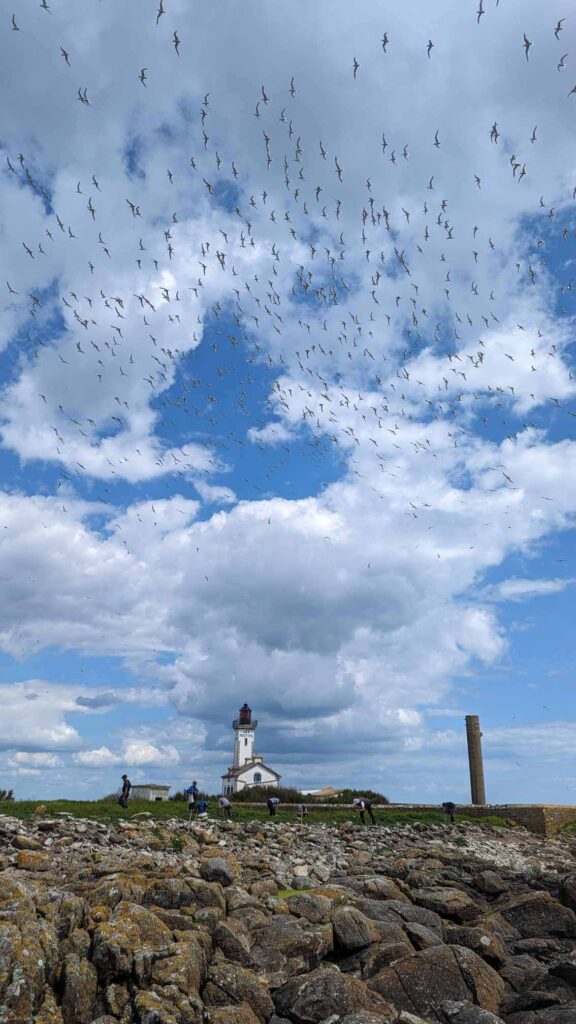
(244, 720)
(245, 715)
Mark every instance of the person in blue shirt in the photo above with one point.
(202, 808)
(193, 795)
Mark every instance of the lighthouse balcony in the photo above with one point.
(239, 724)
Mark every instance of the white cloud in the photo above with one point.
(345, 612)
(140, 752)
(100, 757)
(516, 589)
(23, 759)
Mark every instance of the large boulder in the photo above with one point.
(422, 982)
(130, 931)
(395, 912)
(230, 983)
(353, 930)
(489, 882)
(217, 869)
(539, 914)
(312, 906)
(486, 944)
(324, 993)
(448, 902)
(568, 891)
(285, 946)
(465, 1013)
(80, 982)
(381, 888)
(553, 1015)
(169, 893)
(240, 1014)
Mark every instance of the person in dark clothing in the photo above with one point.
(193, 794)
(364, 807)
(272, 805)
(126, 787)
(448, 807)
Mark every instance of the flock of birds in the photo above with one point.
(339, 352)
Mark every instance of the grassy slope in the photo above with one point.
(107, 811)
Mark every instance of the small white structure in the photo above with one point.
(149, 791)
(248, 768)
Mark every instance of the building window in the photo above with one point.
(257, 777)
(246, 742)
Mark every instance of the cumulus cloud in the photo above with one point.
(100, 757)
(428, 363)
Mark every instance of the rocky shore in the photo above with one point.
(258, 923)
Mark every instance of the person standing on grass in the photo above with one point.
(193, 795)
(126, 787)
(364, 807)
(225, 807)
(272, 805)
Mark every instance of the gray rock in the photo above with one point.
(553, 1015)
(537, 914)
(352, 929)
(216, 869)
(422, 982)
(311, 998)
(465, 1013)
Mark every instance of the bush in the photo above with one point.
(346, 796)
(260, 794)
(6, 794)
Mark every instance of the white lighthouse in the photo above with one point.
(244, 729)
(248, 768)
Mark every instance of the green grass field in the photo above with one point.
(107, 811)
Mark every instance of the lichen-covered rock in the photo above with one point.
(464, 1013)
(422, 982)
(486, 944)
(537, 914)
(314, 997)
(217, 869)
(231, 983)
(311, 906)
(553, 1015)
(130, 931)
(380, 888)
(451, 903)
(285, 946)
(31, 860)
(80, 986)
(352, 929)
(241, 1014)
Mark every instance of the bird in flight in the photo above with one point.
(558, 28)
(527, 45)
(176, 42)
(355, 67)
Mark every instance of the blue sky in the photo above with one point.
(287, 396)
